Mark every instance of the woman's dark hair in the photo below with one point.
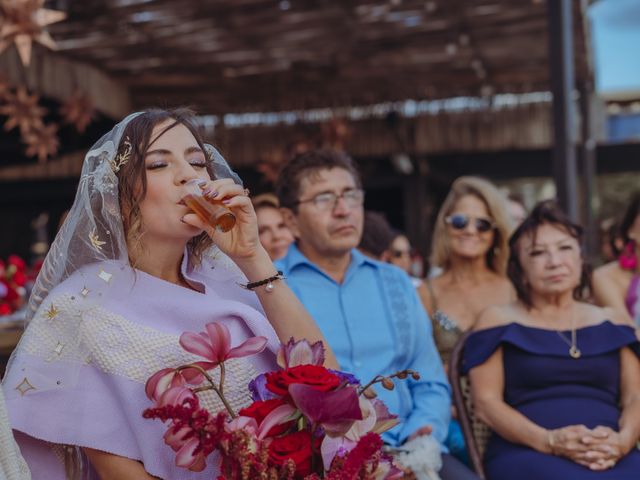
(377, 234)
(633, 210)
(132, 177)
(544, 213)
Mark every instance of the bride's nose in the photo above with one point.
(186, 172)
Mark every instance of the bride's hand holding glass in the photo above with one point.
(241, 241)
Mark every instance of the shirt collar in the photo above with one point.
(295, 257)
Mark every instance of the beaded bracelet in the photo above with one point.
(268, 281)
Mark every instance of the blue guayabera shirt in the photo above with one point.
(375, 323)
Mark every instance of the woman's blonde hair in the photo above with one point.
(495, 202)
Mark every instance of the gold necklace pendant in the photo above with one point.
(575, 352)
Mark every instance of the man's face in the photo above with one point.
(330, 214)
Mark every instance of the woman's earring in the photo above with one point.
(628, 259)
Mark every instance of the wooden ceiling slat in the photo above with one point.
(239, 55)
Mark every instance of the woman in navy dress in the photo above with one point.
(556, 379)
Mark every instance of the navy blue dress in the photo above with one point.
(554, 390)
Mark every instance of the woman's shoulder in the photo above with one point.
(611, 272)
(594, 315)
(497, 316)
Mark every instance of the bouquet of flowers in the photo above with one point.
(13, 278)
(306, 421)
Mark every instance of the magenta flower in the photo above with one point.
(301, 352)
(336, 411)
(214, 344)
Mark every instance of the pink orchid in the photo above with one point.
(279, 415)
(168, 378)
(384, 419)
(177, 437)
(191, 456)
(248, 424)
(300, 353)
(176, 396)
(375, 418)
(215, 345)
(332, 446)
(335, 411)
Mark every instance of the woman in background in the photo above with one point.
(470, 245)
(274, 235)
(556, 379)
(617, 284)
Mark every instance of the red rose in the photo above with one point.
(5, 309)
(315, 376)
(260, 409)
(295, 446)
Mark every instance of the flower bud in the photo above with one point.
(415, 376)
(388, 383)
(402, 375)
(370, 393)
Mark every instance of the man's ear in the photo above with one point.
(385, 256)
(291, 221)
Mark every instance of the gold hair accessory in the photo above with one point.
(123, 157)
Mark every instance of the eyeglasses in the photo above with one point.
(326, 201)
(460, 222)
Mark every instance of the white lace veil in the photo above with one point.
(93, 229)
(92, 234)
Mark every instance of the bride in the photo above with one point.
(130, 270)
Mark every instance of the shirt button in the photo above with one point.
(357, 364)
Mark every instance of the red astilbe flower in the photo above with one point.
(361, 462)
(193, 433)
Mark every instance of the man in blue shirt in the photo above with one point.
(368, 310)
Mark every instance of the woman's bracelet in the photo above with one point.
(267, 281)
(551, 442)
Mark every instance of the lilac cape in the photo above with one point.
(78, 374)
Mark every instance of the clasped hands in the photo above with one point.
(599, 448)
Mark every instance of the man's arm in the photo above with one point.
(431, 394)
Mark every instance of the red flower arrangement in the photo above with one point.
(306, 421)
(13, 278)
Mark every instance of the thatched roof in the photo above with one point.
(272, 55)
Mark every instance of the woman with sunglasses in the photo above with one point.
(470, 246)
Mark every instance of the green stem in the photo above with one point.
(376, 379)
(211, 387)
(222, 374)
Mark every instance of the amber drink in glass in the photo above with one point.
(211, 211)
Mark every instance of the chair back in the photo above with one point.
(476, 433)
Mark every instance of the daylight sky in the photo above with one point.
(616, 39)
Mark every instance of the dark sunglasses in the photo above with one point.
(460, 222)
